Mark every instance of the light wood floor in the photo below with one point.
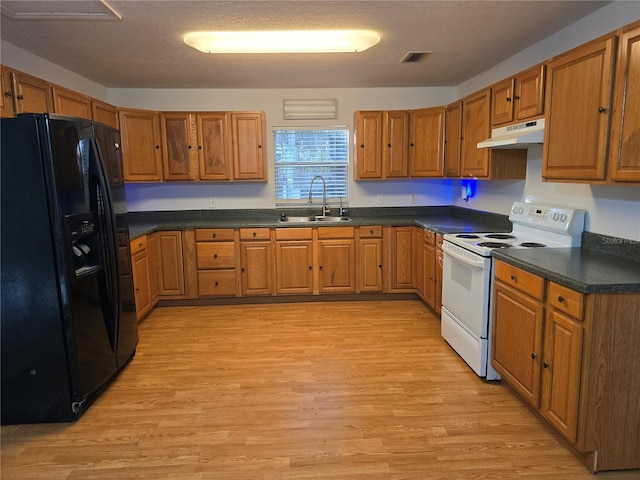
(349, 390)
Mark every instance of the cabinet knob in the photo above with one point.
(8, 94)
(254, 234)
(215, 255)
(157, 147)
(389, 145)
(242, 269)
(19, 97)
(188, 147)
(602, 109)
(533, 355)
(216, 284)
(320, 267)
(560, 298)
(310, 267)
(411, 145)
(361, 146)
(545, 364)
(508, 99)
(199, 147)
(514, 278)
(516, 97)
(213, 235)
(259, 146)
(380, 267)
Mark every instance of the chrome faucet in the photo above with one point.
(325, 208)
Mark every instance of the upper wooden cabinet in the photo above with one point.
(104, 113)
(367, 144)
(179, 146)
(7, 108)
(426, 142)
(108, 139)
(32, 94)
(578, 110)
(395, 152)
(452, 139)
(214, 146)
(486, 163)
(518, 98)
(141, 145)
(624, 156)
(68, 102)
(247, 135)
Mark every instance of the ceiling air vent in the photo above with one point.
(413, 57)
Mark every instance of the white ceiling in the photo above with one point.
(144, 48)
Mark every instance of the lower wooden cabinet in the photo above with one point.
(256, 261)
(170, 263)
(401, 271)
(294, 261)
(336, 260)
(216, 262)
(574, 358)
(143, 268)
(427, 280)
(369, 259)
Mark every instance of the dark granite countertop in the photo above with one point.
(581, 269)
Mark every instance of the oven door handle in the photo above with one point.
(479, 263)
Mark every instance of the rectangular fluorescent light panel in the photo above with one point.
(286, 41)
(310, 109)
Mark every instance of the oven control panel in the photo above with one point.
(556, 219)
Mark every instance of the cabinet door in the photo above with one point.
(502, 102)
(68, 102)
(529, 93)
(426, 142)
(256, 268)
(370, 265)
(33, 95)
(395, 148)
(152, 254)
(452, 140)
(402, 268)
(7, 108)
(368, 144)
(179, 152)
(475, 128)
(109, 143)
(429, 274)
(248, 152)
(294, 267)
(561, 372)
(214, 146)
(140, 269)
(104, 113)
(578, 98)
(141, 140)
(170, 263)
(336, 266)
(517, 337)
(625, 127)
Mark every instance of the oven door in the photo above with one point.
(466, 279)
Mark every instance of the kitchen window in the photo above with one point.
(304, 152)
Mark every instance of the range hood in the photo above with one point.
(520, 135)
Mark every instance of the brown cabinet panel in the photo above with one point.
(171, 267)
(179, 146)
(395, 150)
(402, 268)
(214, 146)
(215, 255)
(529, 93)
(625, 126)
(256, 262)
(502, 102)
(215, 234)
(475, 128)
(32, 95)
(369, 266)
(578, 109)
(426, 142)
(141, 145)
(104, 113)
(428, 290)
(294, 266)
(368, 144)
(212, 283)
(336, 265)
(248, 146)
(68, 102)
(453, 139)
(7, 107)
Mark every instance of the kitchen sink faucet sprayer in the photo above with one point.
(325, 208)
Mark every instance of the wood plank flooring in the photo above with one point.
(344, 390)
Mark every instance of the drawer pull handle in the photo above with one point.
(370, 232)
(560, 298)
(533, 355)
(214, 235)
(216, 284)
(215, 255)
(254, 234)
(514, 278)
(310, 267)
(545, 364)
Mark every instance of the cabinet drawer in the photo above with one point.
(216, 254)
(255, 233)
(215, 234)
(566, 300)
(138, 244)
(335, 232)
(526, 282)
(216, 282)
(429, 237)
(294, 233)
(374, 231)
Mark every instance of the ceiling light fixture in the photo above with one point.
(300, 41)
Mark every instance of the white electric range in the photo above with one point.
(467, 274)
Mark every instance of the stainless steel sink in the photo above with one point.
(317, 218)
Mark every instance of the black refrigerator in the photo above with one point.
(66, 330)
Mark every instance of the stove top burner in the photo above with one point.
(532, 244)
(467, 235)
(494, 244)
(500, 236)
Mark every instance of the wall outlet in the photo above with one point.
(212, 202)
(380, 199)
(413, 198)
